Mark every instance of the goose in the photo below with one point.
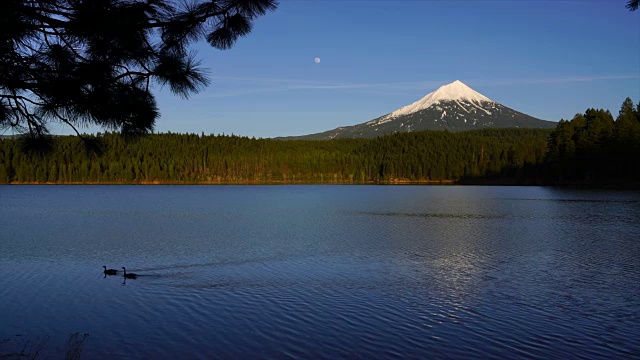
(109, 271)
(129, 275)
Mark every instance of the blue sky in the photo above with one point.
(549, 59)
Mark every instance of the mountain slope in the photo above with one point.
(454, 107)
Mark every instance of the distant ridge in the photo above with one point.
(453, 107)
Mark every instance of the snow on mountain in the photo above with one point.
(453, 107)
(456, 91)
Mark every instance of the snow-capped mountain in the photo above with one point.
(455, 107)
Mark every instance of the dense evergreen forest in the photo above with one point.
(191, 158)
(591, 148)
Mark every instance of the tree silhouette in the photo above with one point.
(633, 5)
(93, 62)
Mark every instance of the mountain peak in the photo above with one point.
(453, 107)
(456, 91)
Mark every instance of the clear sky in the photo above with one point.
(549, 59)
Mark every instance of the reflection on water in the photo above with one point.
(321, 271)
(602, 201)
(433, 215)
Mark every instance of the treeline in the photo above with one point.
(592, 148)
(190, 158)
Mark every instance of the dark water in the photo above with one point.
(321, 272)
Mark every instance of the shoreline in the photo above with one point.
(392, 182)
(505, 182)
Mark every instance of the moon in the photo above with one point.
(317, 60)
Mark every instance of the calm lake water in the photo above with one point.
(320, 272)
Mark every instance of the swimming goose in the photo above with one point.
(129, 275)
(109, 271)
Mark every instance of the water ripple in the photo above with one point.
(323, 273)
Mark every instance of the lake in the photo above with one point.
(320, 272)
